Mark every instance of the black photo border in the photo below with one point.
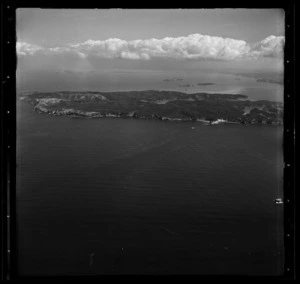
(9, 257)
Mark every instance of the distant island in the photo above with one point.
(266, 77)
(155, 104)
(172, 79)
(205, 84)
(271, 81)
(199, 84)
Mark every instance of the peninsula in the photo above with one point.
(155, 104)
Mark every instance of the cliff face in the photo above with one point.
(164, 105)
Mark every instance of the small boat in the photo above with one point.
(278, 200)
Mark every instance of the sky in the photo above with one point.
(85, 40)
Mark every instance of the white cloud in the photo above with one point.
(195, 46)
(271, 46)
(24, 48)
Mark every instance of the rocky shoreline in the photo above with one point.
(82, 114)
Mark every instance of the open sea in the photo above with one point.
(128, 196)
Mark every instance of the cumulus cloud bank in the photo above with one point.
(24, 48)
(195, 46)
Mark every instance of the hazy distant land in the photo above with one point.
(205, 84)
(172, 79)
(268, 80)
(186, 85)
(154, 104)
(265, 77)
(199, 84)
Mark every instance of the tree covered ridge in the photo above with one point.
(151, 104)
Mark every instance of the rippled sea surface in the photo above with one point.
(127, 196)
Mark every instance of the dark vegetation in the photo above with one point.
(153, 104)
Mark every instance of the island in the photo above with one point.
(155, 104)
(270, 80)
(172, 79)
(205, 84)
(266, 77)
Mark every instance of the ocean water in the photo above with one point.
(145, 80)
(128, 196)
